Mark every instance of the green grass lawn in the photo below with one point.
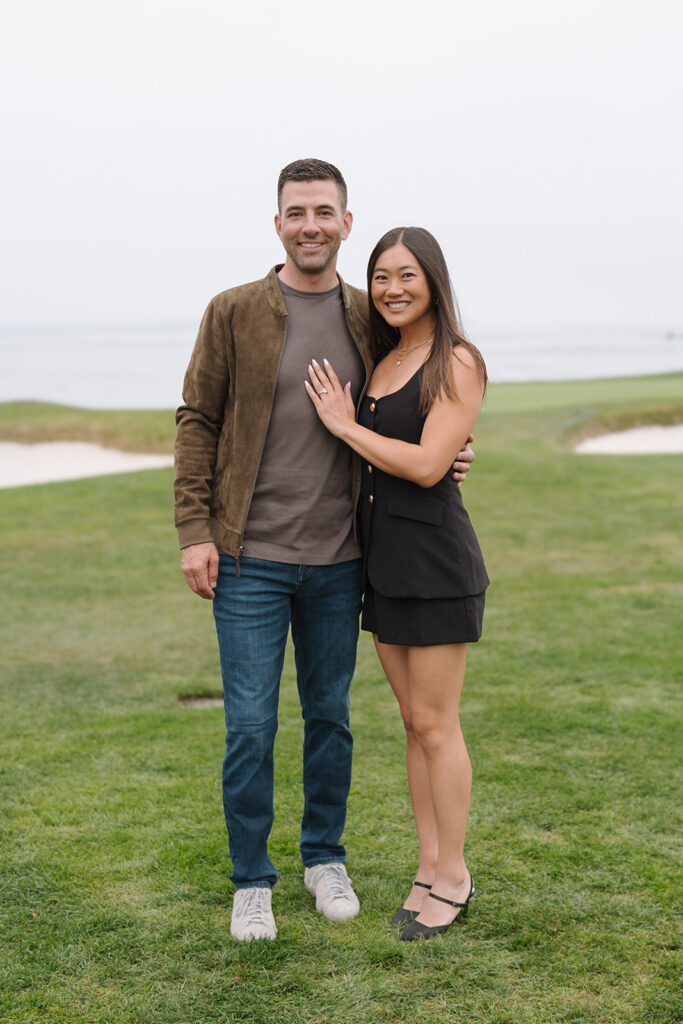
(114, 891)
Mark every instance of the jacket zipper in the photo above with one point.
(363, 392)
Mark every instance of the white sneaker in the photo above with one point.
(252, 917)
(331, 887)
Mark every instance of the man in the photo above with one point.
(261, 481)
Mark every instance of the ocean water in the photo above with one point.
(142, 367)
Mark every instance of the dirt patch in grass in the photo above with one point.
(201, 700)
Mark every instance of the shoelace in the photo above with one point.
(254, 907)
(337, 880)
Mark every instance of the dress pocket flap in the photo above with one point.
(416, 506)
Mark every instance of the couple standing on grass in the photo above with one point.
(268, 508)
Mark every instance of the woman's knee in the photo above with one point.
(430, 730)
(407, 718)
(420, 728)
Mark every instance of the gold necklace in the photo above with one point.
(407, 351)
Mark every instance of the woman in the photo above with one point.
(423, 570)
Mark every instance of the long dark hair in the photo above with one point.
(449, 332)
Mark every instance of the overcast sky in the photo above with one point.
(540, 141)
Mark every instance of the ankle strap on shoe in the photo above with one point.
(451, 903)
(423, 885)
(454, 903)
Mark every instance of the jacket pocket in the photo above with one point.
(420, 507)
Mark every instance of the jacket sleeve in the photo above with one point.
(200, 421)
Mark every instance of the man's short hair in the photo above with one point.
(312, 170)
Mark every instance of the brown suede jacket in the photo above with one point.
(228, 396)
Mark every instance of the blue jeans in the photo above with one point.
(253, 612)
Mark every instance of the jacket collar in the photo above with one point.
(273, 293)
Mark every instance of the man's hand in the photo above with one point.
(199, 563)
(463, 461)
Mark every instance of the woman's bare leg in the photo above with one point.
(394, 661)
(427, 682)
(436, 676)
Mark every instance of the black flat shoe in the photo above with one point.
(402, 916)
(417, 930)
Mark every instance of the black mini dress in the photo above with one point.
(424, 577)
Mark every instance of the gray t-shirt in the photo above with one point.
(302, 510)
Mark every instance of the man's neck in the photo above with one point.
(322, 282)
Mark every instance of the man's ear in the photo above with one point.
(278, 224)
(347, 222)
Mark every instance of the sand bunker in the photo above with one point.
(22, 464)
(636, 441)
